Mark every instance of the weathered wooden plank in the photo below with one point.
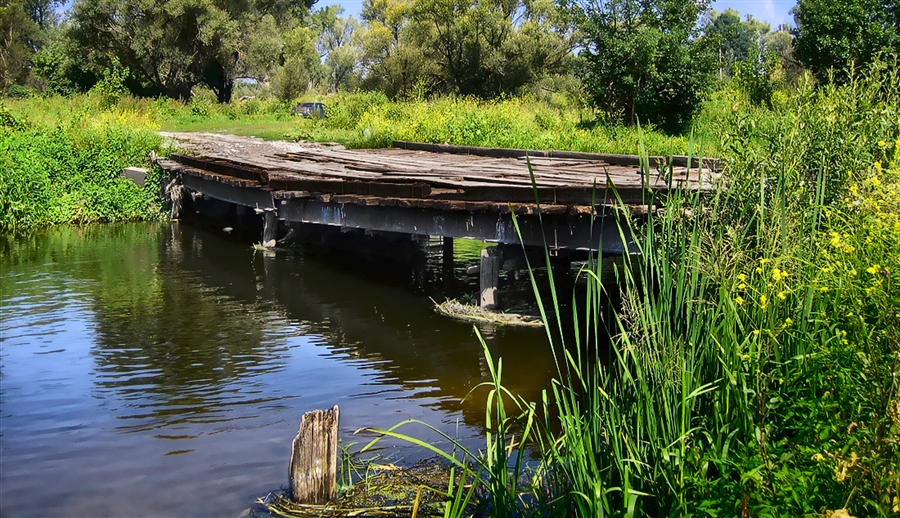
(313, 469)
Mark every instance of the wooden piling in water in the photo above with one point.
(270, 229)
(490, 276)
(313, 471)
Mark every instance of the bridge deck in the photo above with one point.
(438, 178)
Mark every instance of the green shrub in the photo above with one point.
(68, 172)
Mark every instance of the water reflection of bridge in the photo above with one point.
(170, 345)
(395, 331)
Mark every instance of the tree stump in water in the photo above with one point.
(314, 457)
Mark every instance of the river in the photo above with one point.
(161, 370)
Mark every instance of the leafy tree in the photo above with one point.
(735, 36)
(483, 48)
(781, 43)
(18, 38)
(645, 59)
(264, 51)
(59, 67)
(832, 33)
(338, 45)
(302, 67)
(173, 45)
(43, 12)
(392, 62)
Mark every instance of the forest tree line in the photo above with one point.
(634, 60)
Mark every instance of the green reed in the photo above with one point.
(753, 365)
(728, 333)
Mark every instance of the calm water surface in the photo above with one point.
(159, 370)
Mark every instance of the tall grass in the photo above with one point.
(368, 120)
(754, 365)
(755, 356)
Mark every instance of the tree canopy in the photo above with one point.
(19, 36)
(645, 59)
(832, 33)
(632, 60)
(171, 46)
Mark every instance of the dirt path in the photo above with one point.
(233, 145)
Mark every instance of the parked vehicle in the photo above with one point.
(309, 110)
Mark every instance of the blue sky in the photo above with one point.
(774, 12)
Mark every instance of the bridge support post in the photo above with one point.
(447, 259)
(270, 229)
(491, 259)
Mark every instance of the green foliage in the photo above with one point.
(61, 161)
(735, 36)
(339, 44)
(484, 49)
(757, 75)
(831, 34)
(645, 60)
(370, 120)
(172, 46)
(752, 366)
(19, 35)
(754, 361)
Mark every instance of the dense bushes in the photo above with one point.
(755, 368)
(60, 160)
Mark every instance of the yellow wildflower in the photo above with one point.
(762, 300)
(739, 300)
(882, 144)
(742, 277)
(756, 332)
(742, 286)
(781, 295)
(763, 261)
(874, 269)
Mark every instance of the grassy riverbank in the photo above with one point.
(369, 120)
(757, 354)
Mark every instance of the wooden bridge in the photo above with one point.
(441, 190)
